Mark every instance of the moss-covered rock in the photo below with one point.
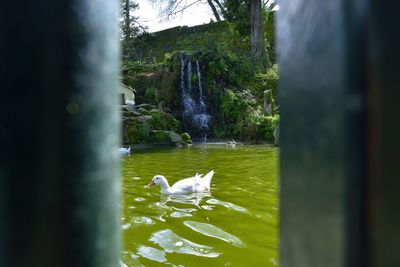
(175, 138)
(145, 106)
(170, 137)
(186, 138)
(148, 127)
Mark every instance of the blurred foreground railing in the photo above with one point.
(339, 93)
(59, 173)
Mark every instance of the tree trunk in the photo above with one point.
(127, 22)
(221, 7)
(214, 9)
(126, 29)
(257, 36)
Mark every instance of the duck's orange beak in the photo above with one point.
(150, 184)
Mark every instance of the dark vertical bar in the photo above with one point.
(383, 134)
(59, 172)
(320, 48)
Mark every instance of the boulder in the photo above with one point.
(143, 111)
(145, 106)
(130, 107)
(186, 138)
(175, 138)
(145, 118)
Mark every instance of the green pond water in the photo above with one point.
(236, 224)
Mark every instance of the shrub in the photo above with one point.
(151, 95)
(164, 121)
(268, 125)
(265, 81)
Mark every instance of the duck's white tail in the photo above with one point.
(207, 178)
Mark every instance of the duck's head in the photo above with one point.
(158, 180)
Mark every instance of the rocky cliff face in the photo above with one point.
(145, 123)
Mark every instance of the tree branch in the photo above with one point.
(221, 7)
(214, 9)
(183, 8)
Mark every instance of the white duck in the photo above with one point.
(124, 151)
(193, 184)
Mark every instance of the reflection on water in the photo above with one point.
(211, 230)
(233, 225)
(194, 198)
(226, 204)
(171, 242)
(151, 253)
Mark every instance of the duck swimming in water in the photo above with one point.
(195, 184)
(124, 151)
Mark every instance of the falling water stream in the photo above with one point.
(194, 103)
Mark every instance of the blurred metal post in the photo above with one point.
(59, 132)
(322, 134)
(383, 165)
(339, 88)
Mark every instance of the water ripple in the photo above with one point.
(151, 253)
(142, 220)
(191, 199)
(184, 210)
(171, 243)
(125, 226)
(208, 207)
(228, 205)
(213, 231)
(178, 214)
(159, 206)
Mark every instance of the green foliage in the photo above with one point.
(268, 125)
(232, 106)
(154, 87)
(129, 26)
(151, 47)
(223, 65)
(241, 117)
(164, 121)
(269, 34)
(234, 113)
(151, 95)
(135, 133)
(272, 78)
(158, 136)
(265, 81)
(238, 14)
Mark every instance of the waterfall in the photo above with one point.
(203, 107)
(182, 73)
(189, 74)
(195, 114)
(199, 78)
